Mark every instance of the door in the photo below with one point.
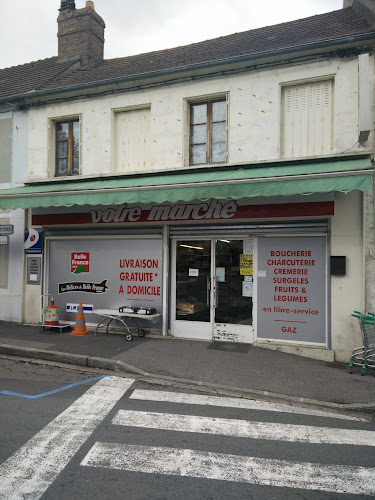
(212, 289)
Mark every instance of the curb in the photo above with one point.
(120, 366)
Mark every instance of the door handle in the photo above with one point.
(208, 291)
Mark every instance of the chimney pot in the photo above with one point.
(89, 3)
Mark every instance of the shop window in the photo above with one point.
(67, 148)
(307, 119)
(132, 140)
(208, 132)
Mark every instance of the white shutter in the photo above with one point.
(307, 119)
(133, 140)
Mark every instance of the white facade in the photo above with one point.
(156, 124)
(254, 118)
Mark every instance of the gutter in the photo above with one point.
(194, 184)
(352, 39)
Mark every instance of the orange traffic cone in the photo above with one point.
(80, 328)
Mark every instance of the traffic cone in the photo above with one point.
(80, 328)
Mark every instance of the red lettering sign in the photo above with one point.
(80, 262)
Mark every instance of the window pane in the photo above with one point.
(219, 111)
(199, 113)
(76, 130)
(218, 152)
(62, 149)
(75, 148)
(61, 167)
(198, 154)
(75, 166)
(198, 134)
(62, 130)
(218, 132)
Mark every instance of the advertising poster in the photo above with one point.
(292, 289)
(105, 273)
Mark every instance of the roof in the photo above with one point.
(32, 76)
(49, 74)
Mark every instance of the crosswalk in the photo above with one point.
(228, 441)
(219, 466)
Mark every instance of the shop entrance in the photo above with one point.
(212, 296)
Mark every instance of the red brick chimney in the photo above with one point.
(80, 34)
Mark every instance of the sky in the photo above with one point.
(29, 28)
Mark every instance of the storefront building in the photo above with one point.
(227, 188)
(267, 270)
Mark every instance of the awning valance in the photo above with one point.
(228, 183)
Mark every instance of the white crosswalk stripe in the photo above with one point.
(34, 467)
(186, 462)
(246, 429)
(225, 467)
(246, 404)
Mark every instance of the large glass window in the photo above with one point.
(193, 280)
(208, 132)
(67, 148)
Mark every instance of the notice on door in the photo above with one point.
(292, 291)
(246, 264)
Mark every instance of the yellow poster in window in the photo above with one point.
(246, 264)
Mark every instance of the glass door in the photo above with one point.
(193, 296)
(213, 293)
(233, 290)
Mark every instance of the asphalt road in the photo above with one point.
(67, 434)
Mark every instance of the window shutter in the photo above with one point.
(133, 140)
(307, 119)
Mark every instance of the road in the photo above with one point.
(67, 434)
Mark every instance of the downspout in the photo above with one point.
(165, 297)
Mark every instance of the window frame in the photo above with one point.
(209, 128)
(70, 141)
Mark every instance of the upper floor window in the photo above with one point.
(208, 132)
(307, 119)
(67, 148)
(132, 140)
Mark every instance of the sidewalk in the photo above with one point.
(225, 368)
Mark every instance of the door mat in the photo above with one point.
(229, 346)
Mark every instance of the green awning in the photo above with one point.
(230, 182)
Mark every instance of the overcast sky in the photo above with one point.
(28, 27)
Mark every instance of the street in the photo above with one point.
(71, 434)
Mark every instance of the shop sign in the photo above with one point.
(33, 241)
(83, 286)
(196, 211)
(8, 229)
(80, 262)
(292, 289)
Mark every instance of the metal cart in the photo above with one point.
(116, 315)
(364, 356)
(42, 325)
(358, 355)
(368, 322)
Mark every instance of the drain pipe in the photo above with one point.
(165, 297)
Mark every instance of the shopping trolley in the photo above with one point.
(364, 356)
(369, 335)
(358, 355)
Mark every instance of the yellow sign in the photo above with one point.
(246, 264)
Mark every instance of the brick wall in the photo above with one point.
(81, 33)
